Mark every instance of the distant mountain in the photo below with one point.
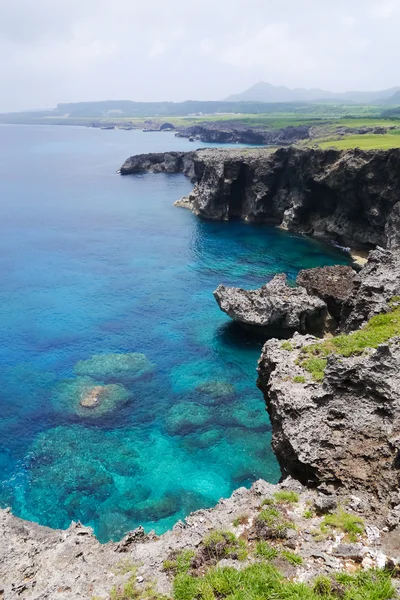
(266, 92)
(394, 100)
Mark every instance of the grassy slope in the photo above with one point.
(366, 142)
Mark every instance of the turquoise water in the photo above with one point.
(94, 264)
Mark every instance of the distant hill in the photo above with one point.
(394, 100)
(266, 92)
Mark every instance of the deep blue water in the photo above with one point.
(96, 264)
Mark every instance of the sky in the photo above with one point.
(74, 50)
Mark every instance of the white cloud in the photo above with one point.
(69, 50)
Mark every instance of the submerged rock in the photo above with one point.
(343, 431)
(115, 368)
(216, 390)
(85, 398)
(332, 284)
(274, 309)
(186, 417)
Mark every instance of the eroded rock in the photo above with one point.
(274, 309)
(343, 431)
(333, 284)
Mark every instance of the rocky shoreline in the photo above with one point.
(347, 197)
(333, 401)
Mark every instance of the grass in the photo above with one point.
(266, 551)
(262, 581)
(378, 330)
(180, 562)
(292, 558)
(351, 525)
(308, 513)
(286, 497)
(224, 544)
(273, 519)
(299, 379)
(365, 142)
(287, 346)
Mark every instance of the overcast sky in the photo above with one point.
(69, 50)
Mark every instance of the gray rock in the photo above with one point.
(325, 504)
(374, 286)
(332, 284)
(349, 551)
(349, 197)
(275, 308)
(343, 431)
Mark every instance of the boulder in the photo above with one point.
(274, 309)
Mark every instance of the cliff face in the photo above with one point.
(225, 133)
(352, 197)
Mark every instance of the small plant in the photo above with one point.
(286, 497)
(292, 558)
(271, 524)
(224, 544)
(286, 346)
(240, 520)
(267, 502)
(264, 550)
(299, 379)
(179, 562)
(350, 524)
(308, 513)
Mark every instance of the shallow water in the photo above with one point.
(96, 264)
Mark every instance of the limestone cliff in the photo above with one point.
(350, 197)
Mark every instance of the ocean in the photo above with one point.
(98, 265)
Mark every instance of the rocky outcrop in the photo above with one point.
(38, 563)
(274, 309)
(334, 285)
(231, 133)
(375, 286)
(350, 197)
(343, 432)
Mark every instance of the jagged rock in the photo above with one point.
(275, 308)
(344, 431)
(352, 551)
(325, 504)
(228, 133)
(332, 284)
(375, 286)
(350, 197)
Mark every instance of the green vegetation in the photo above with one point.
(129, 591)
(299, 379)
(180, 562)
(224, 544)
(350, 524)
(240, 520)
(273, 519)
(261, 581)
(292, 558)
(266, 551)
(287, 346)
(367, 141)
(286, 497)
(267, 502)
(308, 513)
(378, 330)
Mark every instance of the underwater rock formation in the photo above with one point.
(333, 285)
(86, 398)
(186, 417)
(350, 197)
(274, 309)
(115, 368)
(343, 431)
